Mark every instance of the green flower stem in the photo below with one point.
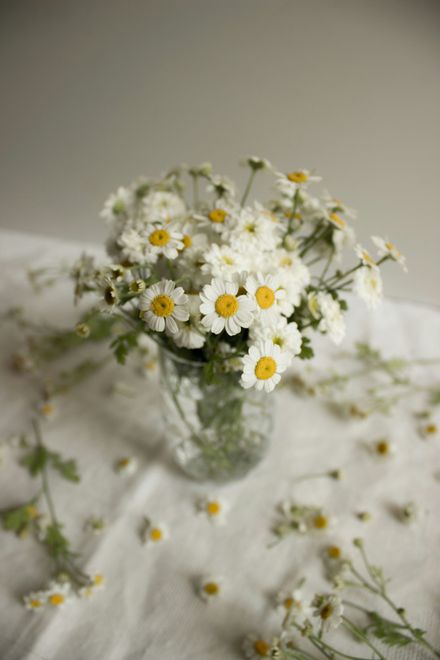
(357, 632)
(381, 591)
(248, 186)
(195, 181)
(315, 236)
(294, 210)
(44, 476)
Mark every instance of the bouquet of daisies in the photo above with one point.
(234, 285)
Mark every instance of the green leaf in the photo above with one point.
(123, 344)
(434, 397)
(388, 632)
(66, 467)
(56, 542)
(36, 460)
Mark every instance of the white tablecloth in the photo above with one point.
(149, 608)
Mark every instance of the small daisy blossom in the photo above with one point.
(221, 260)
(263, 365)
(162, 305)
(281, 333)
(368, 286)
(364, 256)
(383, 448)
(335, 204)
(223, 309)
(332, 321)
(126, 465)
(219, 217)
(222, 186)
(214, 508)
(256, 647)
(265, 291)
(97, 582)
(328, 609)
(209, 588)
(385, 247)
(255, 226)
(35, 601)
(291, 601)
(163, 240)
(191, 333)
(153, 533)
(163, 205)
(289, 183)
(58, 594)
(117, 205)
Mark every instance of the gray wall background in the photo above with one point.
(96, 92)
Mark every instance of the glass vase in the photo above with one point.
(218, 431)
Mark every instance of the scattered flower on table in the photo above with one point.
(429, 430)
(126, 465)
(213, 508)
(153, 533)
(35, 601)
(364, 516)
(302, 519)
(291, 602)
(408, 513)
(210, 588)
(383, 448)
(256, 647)
(47, 409)
(97, 582)
(336, 565)
(328, 611)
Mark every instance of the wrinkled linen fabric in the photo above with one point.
(149, 608)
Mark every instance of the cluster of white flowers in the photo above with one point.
(221, 270)
(60, 592)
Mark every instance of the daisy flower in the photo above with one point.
(335, 204)
(217, 218)
(368, 286)
(117, 205)
(332, 321)
(338, 221)
(289, 183)
(221, 186)
(191, 333)
(35, 601)
(257, 163)
(162, 305)
(383, 448)
(223, 309)
(214, 508)
(385, 247)
(209, 588)
(263, 365)
(97, 582)
(257, 227)
(133, 244)
(162, 205)
(58, 594)
(328, 610)
(281, 333)
(255, 647)
(221, 260)
(153, 533)
(126, 465)
(291, 601)
(265, 292)
(163, 240)
(364, 256)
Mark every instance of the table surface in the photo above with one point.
(149, 608)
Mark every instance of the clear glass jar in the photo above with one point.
(218, 431)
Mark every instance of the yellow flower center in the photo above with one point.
(123, 463)
(390, 246)
(56, 600)
(366, 256)
(213, 508)
(35, 603)
(156, 534)
(288, 603)
(251, 228)
(320, 521)
(431, 429)
(226, 305)
(98, 579)
(159, 238)
(286, 261)
(228, 260)
(187, 241)
(261, 648)
(162, 305)
(383, 447)
(110, 295)
(265, 297)
(338, 221)
(297, 177)
(326, 612)
(211, 588)
(217, 215)
(279, 341)
(47, 409)
(334, 552)
(265, 368)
